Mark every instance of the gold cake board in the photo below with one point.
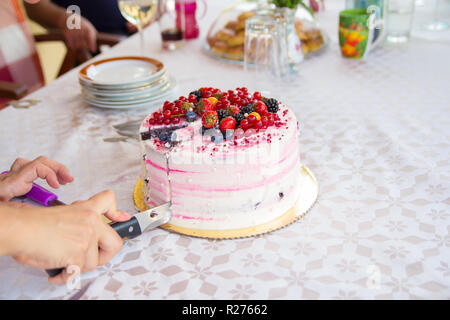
(308, 195)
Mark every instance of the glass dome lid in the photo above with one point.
(226, 36)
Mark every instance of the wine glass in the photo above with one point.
(139, 13)
(436, 24)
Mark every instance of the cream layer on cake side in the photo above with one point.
(239, 183)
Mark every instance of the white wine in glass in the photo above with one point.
(139, 13)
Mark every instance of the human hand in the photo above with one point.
(84, 37)
(65, 236)
(19, 180)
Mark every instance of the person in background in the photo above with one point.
(96, 16)
(55, 237)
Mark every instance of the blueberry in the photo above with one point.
(191, 116)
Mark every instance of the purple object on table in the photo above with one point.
(40, 194)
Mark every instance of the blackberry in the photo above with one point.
(222, 114)
(272, 105)
(247, 109)
(238, 117)
(198, 94)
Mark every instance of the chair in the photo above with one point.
(14, 28)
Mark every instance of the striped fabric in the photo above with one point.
(19, 62)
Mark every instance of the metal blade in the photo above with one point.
(154, 217)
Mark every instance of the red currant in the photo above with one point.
(151, 121)
(158, 116)
(179, 103)
(167, 121)
(176, 110)
(244, 124)
(182, 99)
(265, 120)
(257, 95)
(258, 125)
(175, 120)
(252, 119)
(167, 114)
(192, 98)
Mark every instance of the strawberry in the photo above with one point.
(228, 123)
(204, 105)
(260, 107)
(209, 119)
(232, 109)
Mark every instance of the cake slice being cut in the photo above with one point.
(233, 159)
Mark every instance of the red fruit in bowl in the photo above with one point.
(227, 123)
(210, 119)
(260, 107)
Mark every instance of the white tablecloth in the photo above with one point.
(375, 133)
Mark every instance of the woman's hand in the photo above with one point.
(64, 236)
(19, 180)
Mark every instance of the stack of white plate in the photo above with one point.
(126, 82)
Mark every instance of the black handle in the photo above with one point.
(127, 230)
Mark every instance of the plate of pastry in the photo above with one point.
(226, 36)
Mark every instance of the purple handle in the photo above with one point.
(39, 194)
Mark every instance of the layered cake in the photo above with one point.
(226, 159)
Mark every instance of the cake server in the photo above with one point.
(130, 229)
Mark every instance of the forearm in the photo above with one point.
(10, 226)
(47, 14)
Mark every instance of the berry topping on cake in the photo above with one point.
(228, 123)
(197, 94)
(272, 105)
(222, 114)
(247, 109)
(191, 116)
(256, 114)
(232, 109)
(238, 117)
(260, 107)
(213, 101)
(204, 105)
(209, 119)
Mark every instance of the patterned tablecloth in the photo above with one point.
(376, 134)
